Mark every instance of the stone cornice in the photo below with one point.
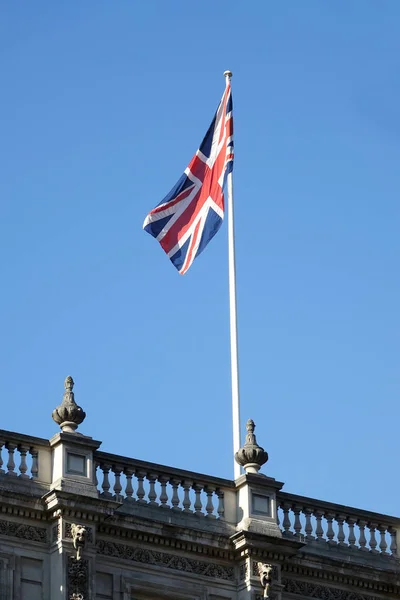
(22, 438)
(246, 542)
(259, 480)
(20, 505)
(327, 592)
(74, 439)
(161, 559)
(346, 576)
(59, 503)
(205, 543)
(364, 562)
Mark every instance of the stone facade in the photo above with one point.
(77, 523)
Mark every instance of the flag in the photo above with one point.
(191, 214)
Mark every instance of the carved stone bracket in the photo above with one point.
(265, 573)
(77, 579)
(68, 532)
(275, 573)
(79, 534)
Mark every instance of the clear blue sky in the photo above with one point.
(102, 106)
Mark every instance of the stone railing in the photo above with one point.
(148, 484)
(334, 525)
(20, 457)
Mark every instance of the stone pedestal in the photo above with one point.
(257, 508)
(73, 468)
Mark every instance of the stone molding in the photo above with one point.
(173, 542)
(16, 503)
(181, 590)
(167, 561)
(23, 531)
(77, 578)
(322, 592)
(56, 533)
(243, 571)
(355, 581)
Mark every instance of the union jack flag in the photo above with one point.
(191, 214)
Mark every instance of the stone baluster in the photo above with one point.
(11, 463)
(221, 504)
(152, 478)
(2, 442)
(393, 541)
(96, 480)
(352, 537)
(117, 484)
(372, 540)
(163, 479)
(362, 540)
(297, 523)
(23, 467)
(197, 503)
(106, 482)
(341, 535)
(35, 463)
(330, 534)
(129, 487)
(319, 531)
(175, 495)
(140, 491)
(209, 489)
(308, 526)
(186, 498)
(383, 543)
(286, 520)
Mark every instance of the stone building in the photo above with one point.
(80, 523)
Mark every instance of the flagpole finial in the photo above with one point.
(228, 74)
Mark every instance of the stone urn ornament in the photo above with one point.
(68, 415)
(251, 456)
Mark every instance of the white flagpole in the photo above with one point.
(233, 317)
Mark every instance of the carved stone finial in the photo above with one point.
(68, 415)
(265, 572)
(251, 456)
(78, 533)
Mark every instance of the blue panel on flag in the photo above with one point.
(156, 227)
(179, 258)
(211, 226)
(229, 105)
(182, 183)
(205, 146)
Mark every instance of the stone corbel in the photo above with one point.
(265, 573)
(79, 535)
(78, 568)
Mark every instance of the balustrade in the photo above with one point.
(128, 481)
(18, 458)
(324, 523)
